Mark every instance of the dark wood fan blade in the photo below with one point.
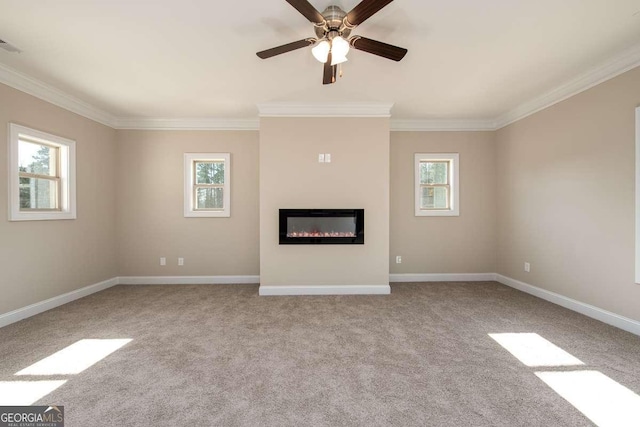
(378, 48)
(329, 72)
(309, 12)
(285, 48)
(365, 10)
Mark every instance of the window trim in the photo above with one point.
(190, 185)
(453, 179)
(66, 175)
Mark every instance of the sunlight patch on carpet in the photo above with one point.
(75, 358)
(598, 397)
(25, 393)
(535, 351)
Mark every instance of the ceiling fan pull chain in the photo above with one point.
(340, 69)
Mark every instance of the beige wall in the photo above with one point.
(462, 244)
(555, 189)
(151, 222)
(44, 259)
(357, 177)
(566, 197)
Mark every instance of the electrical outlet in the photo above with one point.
(320, 158)
(327, 158)
(180, 261)
(163, 261)
(398, 259)
(527, 267)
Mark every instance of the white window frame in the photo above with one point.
(189, 185)
(637, 278)
(67, 175)
(454, 183)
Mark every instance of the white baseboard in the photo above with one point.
(187, 280)
(325, 290)
(213, 280)
(445, 277)
(41, 307)
(607, 317)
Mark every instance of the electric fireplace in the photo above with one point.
(321, 226)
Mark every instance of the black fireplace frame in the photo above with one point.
(357, 240)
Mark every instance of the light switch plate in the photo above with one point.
(320, 158)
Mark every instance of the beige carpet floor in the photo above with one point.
(222, 355)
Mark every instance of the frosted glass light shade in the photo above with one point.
(321, 51)
(339, 47)
(335, 60)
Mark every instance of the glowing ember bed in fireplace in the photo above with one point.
(321, 226)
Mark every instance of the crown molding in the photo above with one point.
(46, 92)
(615, 66)
(609, 69)
(444, 125)
(52, 95)
(343, 109)
(186, 124)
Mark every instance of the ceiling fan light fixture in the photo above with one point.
(339, 47)
(321, 51)
(333, 38)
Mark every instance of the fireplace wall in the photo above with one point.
(292, 177)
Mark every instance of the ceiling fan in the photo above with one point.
(333, 30)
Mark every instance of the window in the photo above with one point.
(207, 185)
(41, 175)
(437, 184)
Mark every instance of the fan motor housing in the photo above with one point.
(335, 23)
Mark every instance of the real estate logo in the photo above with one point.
(31, 416)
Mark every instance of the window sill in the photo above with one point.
(41, 216)
(438, 213)
(207, 214)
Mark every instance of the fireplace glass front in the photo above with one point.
(321, 226)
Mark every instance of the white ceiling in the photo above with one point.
(467, 59)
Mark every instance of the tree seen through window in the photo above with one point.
(209, 181)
